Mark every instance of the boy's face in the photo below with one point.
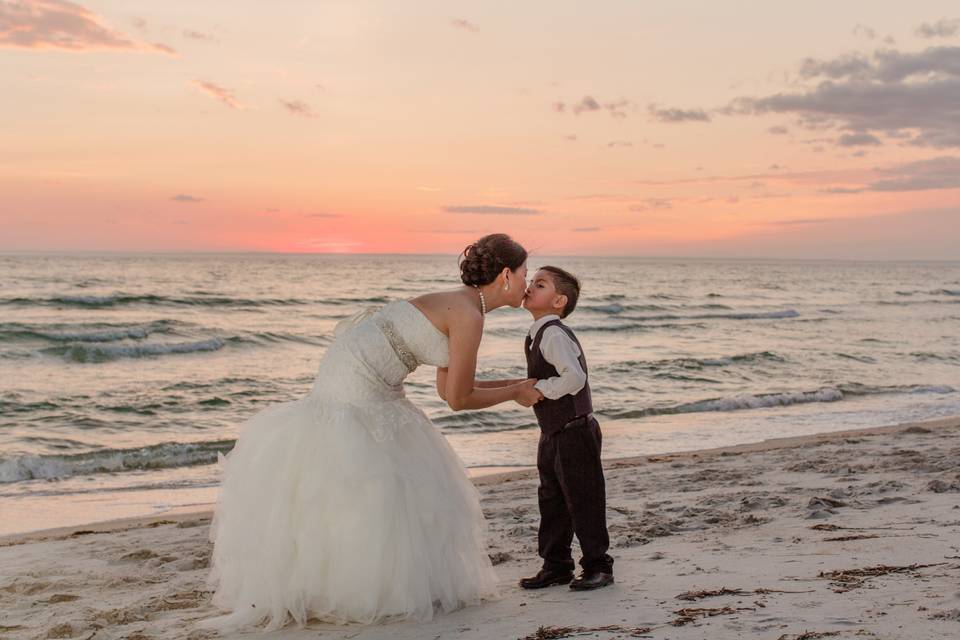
(541, 297)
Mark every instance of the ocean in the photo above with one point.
(122, 377)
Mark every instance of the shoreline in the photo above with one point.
(494, 476)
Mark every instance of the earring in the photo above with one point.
(506, 287)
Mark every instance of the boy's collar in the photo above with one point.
(542, 321)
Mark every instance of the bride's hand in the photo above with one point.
(527, 395)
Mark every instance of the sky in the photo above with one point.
(674, 128)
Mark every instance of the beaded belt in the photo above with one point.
(396, 342)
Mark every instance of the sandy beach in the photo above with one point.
(843, 535)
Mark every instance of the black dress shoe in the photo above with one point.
(591, 580)
(545, 578)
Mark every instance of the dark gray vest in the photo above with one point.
(552, 415)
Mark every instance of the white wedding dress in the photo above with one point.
(349, 505)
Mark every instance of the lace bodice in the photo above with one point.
(374, 350)
(425, 342)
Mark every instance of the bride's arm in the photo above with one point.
(457, 384)
(478, 384)
(493, 384)
(442, 383)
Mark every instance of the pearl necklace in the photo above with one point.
(483, 303)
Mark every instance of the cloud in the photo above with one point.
(815, 179)
(619, 108)
(298, 108)
(596, 196)
(653, 203)
(848, 64)
(65, 26)
(162, 48)
(942, 28)
(183, 197)
(323, 215)
(465, 25)
(492, 210)
(909, 97)
(923, 175)
(222, 94)
(865, 31)
(585, 229)
(588, 104)
(778, 131)
(840, 190)
(858, 140)
(800, 221)
(198, 35)
(619, 143)
(670, 114)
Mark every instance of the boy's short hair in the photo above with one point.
(566, 284)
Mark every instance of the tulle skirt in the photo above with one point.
(345, 514)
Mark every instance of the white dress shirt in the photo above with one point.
(562, 352)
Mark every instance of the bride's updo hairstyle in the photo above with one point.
(482, 261)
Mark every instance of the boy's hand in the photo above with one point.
(527, 395)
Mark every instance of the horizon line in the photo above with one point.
(91, 253)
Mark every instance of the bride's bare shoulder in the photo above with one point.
(452, 308)
(453, 298)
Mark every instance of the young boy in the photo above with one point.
(572, 493)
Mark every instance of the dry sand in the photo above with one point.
(843, 535)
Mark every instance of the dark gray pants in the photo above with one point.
(572, 498)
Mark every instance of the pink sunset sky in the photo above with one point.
(733, 129)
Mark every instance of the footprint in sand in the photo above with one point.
(142, 554)
(942, 486)
(64, 630)
(59, 597)
(24, 588)
(198, 561)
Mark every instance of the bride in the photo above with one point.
(348, 505)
